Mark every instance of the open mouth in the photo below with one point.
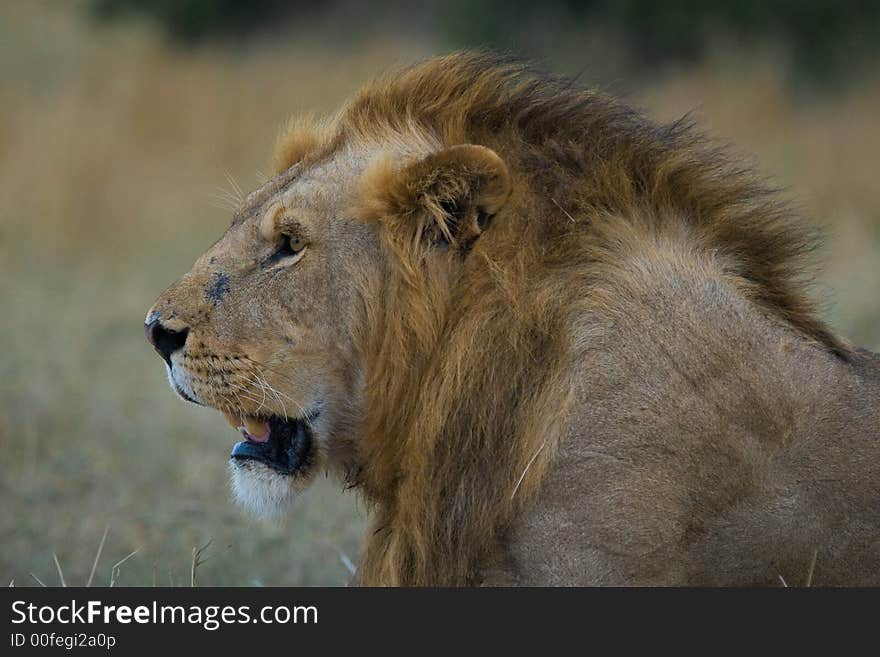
(283, 444)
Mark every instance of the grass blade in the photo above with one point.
(97, 556)
(60, 572)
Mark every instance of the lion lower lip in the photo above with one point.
(286, 449)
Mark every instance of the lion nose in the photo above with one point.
(164, 340)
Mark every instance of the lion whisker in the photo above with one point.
(245, 392)
(254, 377)
(280, 394)
(268, 367)
(239, 194)
(302, 411)
(265, 385)
(225, 200)
(262, 391)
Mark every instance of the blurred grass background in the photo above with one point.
(122, 123)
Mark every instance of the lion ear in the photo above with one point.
(447, 198)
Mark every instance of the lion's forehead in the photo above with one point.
(318, 187)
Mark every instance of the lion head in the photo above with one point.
(273, 324)
(397, 304)
(262, 328)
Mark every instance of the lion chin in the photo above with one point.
(276, 460)
(260, 490)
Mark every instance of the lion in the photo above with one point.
(548, 340)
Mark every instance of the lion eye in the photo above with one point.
(290, 246)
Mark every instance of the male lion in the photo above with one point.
(550, 341)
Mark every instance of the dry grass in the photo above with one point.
(115, 153)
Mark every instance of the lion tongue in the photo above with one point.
(254, 430)
(257, 430)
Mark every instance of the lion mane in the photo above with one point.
(470, 377)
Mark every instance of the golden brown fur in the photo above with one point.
(566, 321)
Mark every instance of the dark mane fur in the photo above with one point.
(590, 154)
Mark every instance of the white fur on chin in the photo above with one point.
(260, 490)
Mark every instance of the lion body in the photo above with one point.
(678, 435)
(708, 446)
(589, 360)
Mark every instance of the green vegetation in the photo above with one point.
(823, 37)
